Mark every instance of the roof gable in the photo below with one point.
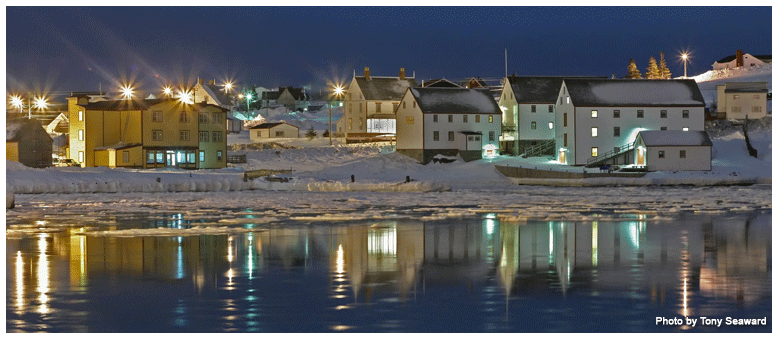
(633, 92)
(675, 138)
(384, 88)
(267, 125)
(217, 94)
(454, 100)
(16, 129)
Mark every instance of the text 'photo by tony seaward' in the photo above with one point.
(414, 167)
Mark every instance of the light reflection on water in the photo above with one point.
(405, 275)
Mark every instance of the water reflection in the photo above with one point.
(364, 277)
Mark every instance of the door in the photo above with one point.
(562, 158)
(641, 156)
(171, 158)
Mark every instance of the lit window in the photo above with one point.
(550, 125)
(350, 124)
(80, 115)
(80, 156)
(451, 136)
(150, 157)
(663, 114)
(735, 97)
(435, 136)
(661, 154)
(594, 151)
(616, 113)
(682, 154)
(594, 131)
(218, 155)
(477, 118)
(533, 125)
(409, 120)
(686, 129)
(80, 135)
(491, 118)
(160, 157)
(202, 156)
(594, 113)
(568, 100)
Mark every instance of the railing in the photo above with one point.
(236, 159)
(263, 173)
(539, 149)
(607, 155)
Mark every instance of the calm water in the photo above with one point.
(467, 275)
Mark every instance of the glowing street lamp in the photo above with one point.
(185, 97)
(338, 93)
(684, 56)
(17, 102)
(248, 101)
(127, 92)
(40, 103)
(227, 86)
(167, 90)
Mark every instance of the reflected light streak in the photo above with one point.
(19, 283)
(43, 275)
(339, 260)
(594, 243)
(251, 256)
(685, 295)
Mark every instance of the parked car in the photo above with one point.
(65, 163)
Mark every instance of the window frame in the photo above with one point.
(157, 135)
(616, 114)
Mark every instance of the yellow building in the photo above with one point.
(147, 133)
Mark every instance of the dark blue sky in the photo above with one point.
(77, 48)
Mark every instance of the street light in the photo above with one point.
(338, 93)
(167, 90)
(185, 97)
(684, 56)
(40, 103)
(227, 86)
(17, 102)
(127, 92)
(248, 101)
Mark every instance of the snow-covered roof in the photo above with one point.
(745, 87)
(296, 93)
(271, 125)
(537, 89)
(384, 88)
(439, 83)
(135, 105)
(675, 138)
(117, 146)
(217, 94)
(732, 57)
(634, 92)
(15, 129)
(455, 100)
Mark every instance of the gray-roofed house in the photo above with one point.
(211, 93)
(370, 103)
(527, 103)
(597, 120)
(28, 143)
(741, 100)
(674, 150)
(439, 83)
(271, 130)
(741, 59)
(295, 99)
(448, 121)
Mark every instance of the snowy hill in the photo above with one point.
(709, 80)
(318, 116)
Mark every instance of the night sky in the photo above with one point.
(77, 48)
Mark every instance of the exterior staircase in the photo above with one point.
(601, 159)
(543, 148)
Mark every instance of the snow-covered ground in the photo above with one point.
(709, 80)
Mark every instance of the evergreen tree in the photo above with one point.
(653, 71)
(326, 133)
(632, 70)
(311, 133)
(663, 70)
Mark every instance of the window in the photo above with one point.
(617, 131)
(464, 118)
(565, 139)
(568, 100)
(350, 125)
(203, 136)
(450, 118)
(550, 108)
(259, 134)
(594, 152)
(203, 118)
(663, 114)
(349, 96)
(202, 156)
(616, 114)
(351, 111)
(378, 107)
(756, 109)
(81, 156)
(279, 134)
(685, 129)
(126, 156)
(217, 136)
(160, 157)
(150, 157)
(403, 104)
(550, 125)
(663, 128)
(218, 155)
(533, 125)
(183, 117)
(394, 106)
(156, 135)
(409, 120)
(435, 136)
(491, 135)
(533, 109)
(156, 116)
(735, 109)
(735, 97)
(640, 113)
(682, 154)
(477, 118)
(594, 113)
(685, 114)
(470, 138)
(183, 135)
(661, 154)
(80, 135)
(451, 136)
(360, 107)
(414, 104)
(190, 157)
(594, 132)
(756, 96)
(80, 115)
(564, 120)
(216, 117)
(491, 118)
(435, 118)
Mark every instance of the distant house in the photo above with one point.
(293, 98)
(474, 83)
(59, 125)
(674, 150)
(371, 102)
(738, 100)
(270, 98)
(597, 120)
(234, 125)
(439, 83)
(272, 130)
(213, 94)
(449, 122)
(28, 143)
(741, 59)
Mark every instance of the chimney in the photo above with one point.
(402, 73)
(367, 73)
(200, 81)
(739, 58)
(212, 82)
